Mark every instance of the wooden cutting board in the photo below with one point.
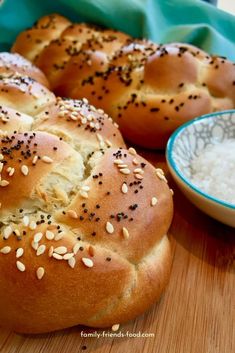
(195, 315)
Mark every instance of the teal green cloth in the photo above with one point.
(163, 21)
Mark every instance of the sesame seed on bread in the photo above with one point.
(12, 63)
(148, 89)
(83, 219)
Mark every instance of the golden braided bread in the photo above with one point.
(83, 220)
(148, 89)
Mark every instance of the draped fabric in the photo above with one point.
(163, 21)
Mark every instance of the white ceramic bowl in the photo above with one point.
(185, 143)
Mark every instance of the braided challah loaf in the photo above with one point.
(83, 220)
(148, 89)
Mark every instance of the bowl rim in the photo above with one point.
(170, 159)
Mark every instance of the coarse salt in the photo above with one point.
(213, 170)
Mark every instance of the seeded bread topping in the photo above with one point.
(83, 220)
(148, 89)
(62, 206)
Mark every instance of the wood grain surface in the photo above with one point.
(196, 314)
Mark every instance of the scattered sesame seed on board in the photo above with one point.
(87, 262)
(115, 327)
(20, 266)
(109, 228)
(154, 201)
(5, 250)
(40, 272)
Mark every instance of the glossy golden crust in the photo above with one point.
(24, 94)
(15, 63)
(23, 86)
(83, 223)
(83, 220)
(11, 120)
(108, 293)
(148, 89)
(49, 27)
(18, 152)
(81, 123)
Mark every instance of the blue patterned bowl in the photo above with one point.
(186, 143)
